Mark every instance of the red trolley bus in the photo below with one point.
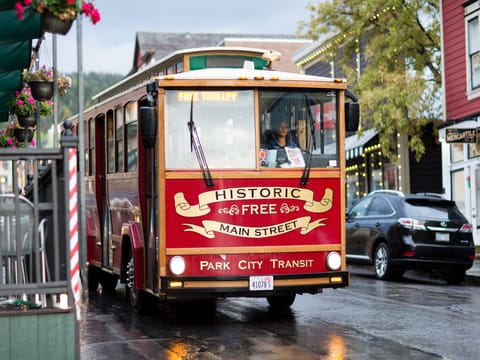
(219, 182)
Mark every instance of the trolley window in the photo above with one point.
(110, 143)
(132, 139)
(119, 151)
(224, 122)
(297, 125)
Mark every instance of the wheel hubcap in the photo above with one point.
(381, 261)
(130, 276)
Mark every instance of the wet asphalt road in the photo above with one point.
(419, 317)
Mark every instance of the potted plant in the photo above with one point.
(13, 137)
(64, 83)
(41, 82)
(24, 106)
(58, 15)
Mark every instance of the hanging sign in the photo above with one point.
(455, 135)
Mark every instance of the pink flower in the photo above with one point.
(87, 9)
(95, 16)
(27, 2)
(70, 2)
(19, 11)
(90, 11)
(9, 141)
(20, 102)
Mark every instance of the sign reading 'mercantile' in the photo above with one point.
(462, 135)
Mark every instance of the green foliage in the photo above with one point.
(399, 87)
(93, 83)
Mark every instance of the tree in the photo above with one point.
(399, 84)
(94, 83)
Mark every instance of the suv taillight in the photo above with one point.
(466, 228)
(412, 224)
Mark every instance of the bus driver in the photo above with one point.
(281, 137)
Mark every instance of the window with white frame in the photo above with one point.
(472, 30)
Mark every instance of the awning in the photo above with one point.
(16, 37)
(354, 144)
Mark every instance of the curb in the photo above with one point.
(472, 280)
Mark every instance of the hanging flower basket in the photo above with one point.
(52, 24)
(27, 121)
(23, 134)
(41, 90)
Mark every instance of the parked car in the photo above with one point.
(396, 232)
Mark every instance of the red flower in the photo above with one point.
(90, 11)
(19, 11)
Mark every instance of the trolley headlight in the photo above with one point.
(177, 265)
(334, 260)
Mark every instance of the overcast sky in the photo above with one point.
(108, 46)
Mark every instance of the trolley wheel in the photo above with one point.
(94, 275)
(281, 301)
(138, 299)
(108, 282)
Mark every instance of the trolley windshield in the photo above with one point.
(283, 129)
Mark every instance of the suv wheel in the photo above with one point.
(455, 276)
(381, 261)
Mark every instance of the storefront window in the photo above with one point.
(473, 150)
(391, 182)
(458, 189)
(456, 153)
(353, 190)
(375, 171)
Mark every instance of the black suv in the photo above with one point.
(396, 232)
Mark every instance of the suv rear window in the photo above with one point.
(433, 209)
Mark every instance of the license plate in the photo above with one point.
(257, 283)
(442, 237)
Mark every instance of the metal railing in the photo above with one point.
(34, 226)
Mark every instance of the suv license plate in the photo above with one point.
(442, 237)
(257, 283)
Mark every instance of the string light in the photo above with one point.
(339, 39)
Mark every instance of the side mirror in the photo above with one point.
(148, 126)
(352, 116)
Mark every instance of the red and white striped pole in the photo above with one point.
(73, 231)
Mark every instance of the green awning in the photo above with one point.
(16, 37)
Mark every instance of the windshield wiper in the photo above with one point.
(311, 147)
(196, 145)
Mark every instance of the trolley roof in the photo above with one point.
(245, 73)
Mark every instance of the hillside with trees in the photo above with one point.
(93, 82)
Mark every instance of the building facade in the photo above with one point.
(461, 82)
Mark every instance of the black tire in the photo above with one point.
(137, 298)
(455, 276)
(109, 282)
(281, 301)
(383, 264)
(94, 275)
